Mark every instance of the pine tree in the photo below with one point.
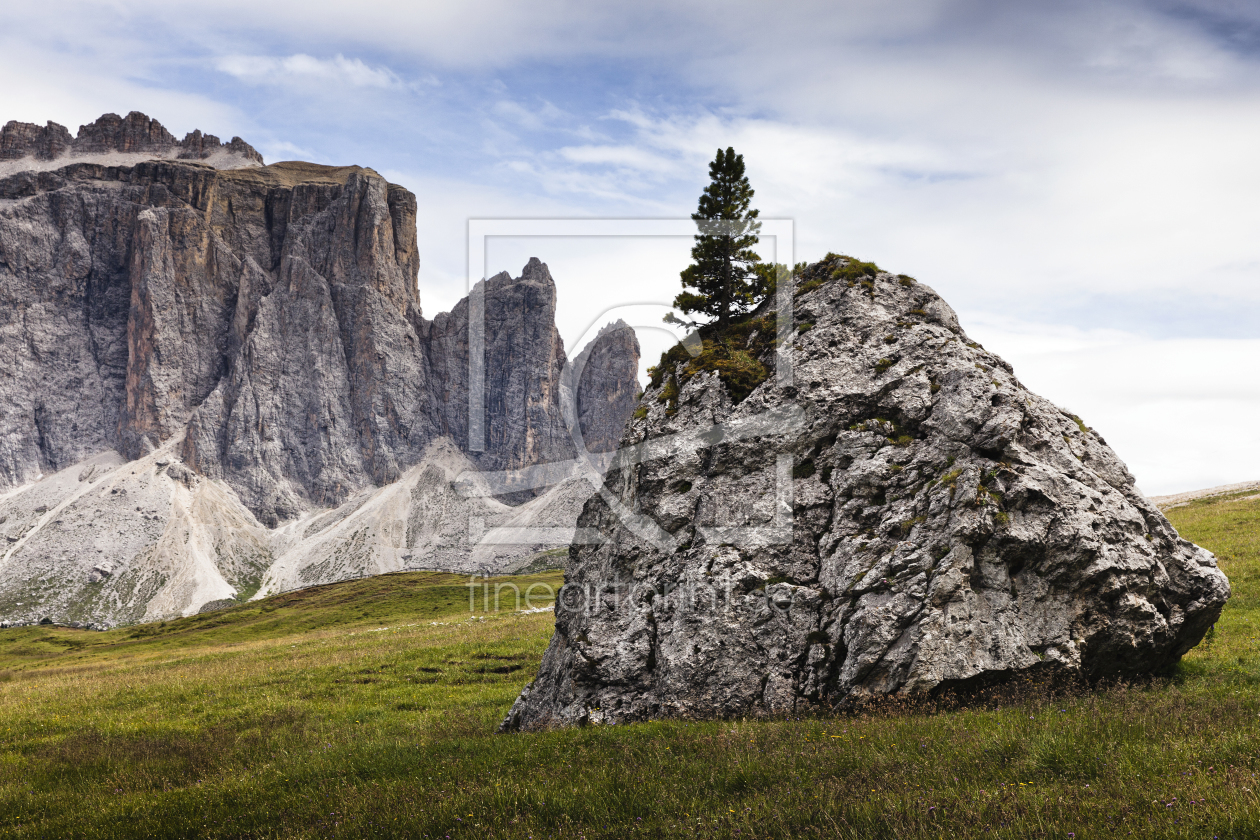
(723, 274)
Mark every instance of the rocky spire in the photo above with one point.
(608, 389)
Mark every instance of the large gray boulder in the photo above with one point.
(900, 515)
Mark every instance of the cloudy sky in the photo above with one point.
(1079, 179)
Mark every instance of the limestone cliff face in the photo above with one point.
(324, 389)
(261, 325)
(901, 516)
(271, 312)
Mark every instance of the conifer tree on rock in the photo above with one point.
(723, 274)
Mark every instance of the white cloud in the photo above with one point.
(622, 157)
(625, 190)
(1180, 412)
(305, 68)
(1096, 193)
(546, 116)
(278, 150)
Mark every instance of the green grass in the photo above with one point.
(732, 352)
(367, 709)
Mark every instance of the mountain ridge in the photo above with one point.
(114, 139)
(262, 327)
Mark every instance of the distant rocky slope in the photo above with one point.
(114, 140)
(1245, 490)
(209, 376)
(901, 515)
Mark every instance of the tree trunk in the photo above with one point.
(724, 298)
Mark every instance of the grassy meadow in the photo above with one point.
(367, 709)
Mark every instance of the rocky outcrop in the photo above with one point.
(608, 388)
(524, 362)
(900, 515)
(19, 140)
(115, 140)
(262, 327)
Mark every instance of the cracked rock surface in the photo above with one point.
(907, 517)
